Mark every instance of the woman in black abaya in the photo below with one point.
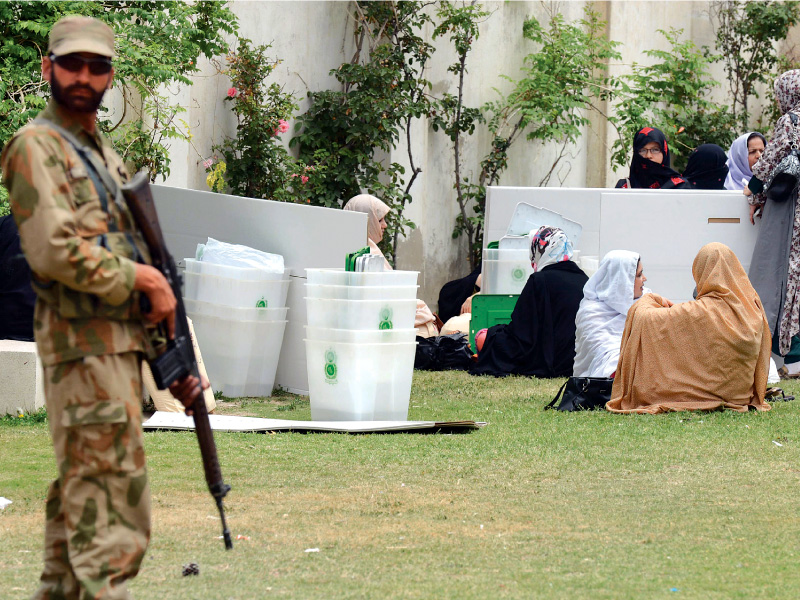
(540, 339)
(650, 164)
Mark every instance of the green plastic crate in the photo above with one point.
(488, 310)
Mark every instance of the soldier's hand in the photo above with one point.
(162, 301)
(188, 390)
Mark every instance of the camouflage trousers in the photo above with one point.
(98, 510)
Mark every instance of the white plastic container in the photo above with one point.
(231, 272)
(505, 276)
(342, 277)
(359, 382)
(361, 314)
(242, 293)
(361, 292)
(220, 311)
(355, 336)
(590, 264)
(241, 357)
(513, 254)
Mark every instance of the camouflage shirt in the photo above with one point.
(80, 245)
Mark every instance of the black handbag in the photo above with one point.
(787, 174)
(582, 393)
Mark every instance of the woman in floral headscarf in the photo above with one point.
(650, 164)
(540, 339)
(775, 266)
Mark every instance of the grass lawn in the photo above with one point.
(536, 505)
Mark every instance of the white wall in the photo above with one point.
(312, 38)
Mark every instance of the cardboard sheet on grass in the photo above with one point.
(666, 227)
(179, 421)
(306, 236)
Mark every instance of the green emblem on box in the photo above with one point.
(330, 366)
(385, 318)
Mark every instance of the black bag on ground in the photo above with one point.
(443, 353)
(582, 393)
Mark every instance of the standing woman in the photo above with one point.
(775, 266)
(650, 164)
(743, 154)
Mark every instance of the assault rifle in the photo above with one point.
(178, 360)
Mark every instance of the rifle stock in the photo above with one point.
(178, 360)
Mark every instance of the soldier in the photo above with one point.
(89, 271)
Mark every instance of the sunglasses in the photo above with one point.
(74, 64)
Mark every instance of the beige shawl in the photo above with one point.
(707, 354)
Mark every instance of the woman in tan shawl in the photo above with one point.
(376, 212)
(706, 354)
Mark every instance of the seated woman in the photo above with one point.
(540, 339)
(607, 296)
(707, 354)
(706, 168)
(376, 211)
(744, 153)
(650, 164)
(455, 295)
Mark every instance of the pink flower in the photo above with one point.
(295, 175)
(207, 163)
(304, 178)
(232, 92)
(283, 126)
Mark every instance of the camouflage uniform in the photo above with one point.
(81, 248)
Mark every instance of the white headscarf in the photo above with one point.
(600, 321)
(549, 245)
(739, 172)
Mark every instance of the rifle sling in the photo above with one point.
(97, 172)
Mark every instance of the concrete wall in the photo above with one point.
(312, 38)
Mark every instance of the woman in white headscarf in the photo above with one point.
(376, 211)
(607, 296)
(744, 153)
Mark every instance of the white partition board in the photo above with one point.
(668, 229)
(306, 236)
(578, 204)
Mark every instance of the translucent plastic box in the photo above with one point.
(355, 336)
(359, 382)
(505, 276)
(361, 314)
(242, 293)
(342, 277)
(195, 307)
(241, 357)
(361, 292)
(231, 272)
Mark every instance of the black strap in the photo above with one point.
(558, 396)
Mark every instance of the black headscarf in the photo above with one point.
(646, 173)
(540, 339)
(707, 168)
